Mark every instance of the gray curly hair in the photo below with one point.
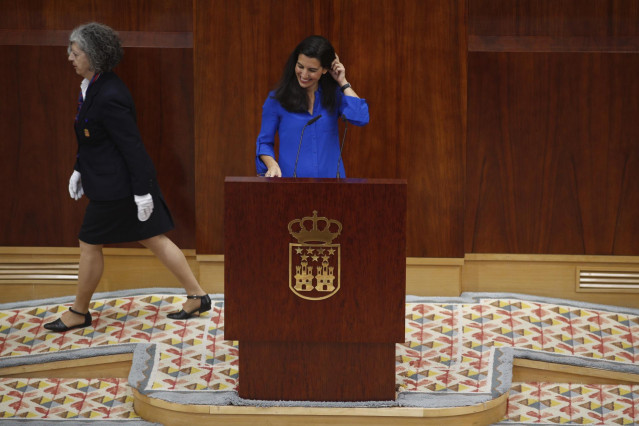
(100, 43)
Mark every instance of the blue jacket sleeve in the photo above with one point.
(266, 138)
(354, 109)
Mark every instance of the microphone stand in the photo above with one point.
(311, 121)
(342, 147)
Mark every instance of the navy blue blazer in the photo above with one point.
(111, 158)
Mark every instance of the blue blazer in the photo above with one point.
(111, 158)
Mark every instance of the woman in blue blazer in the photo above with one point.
(310, 98)
(116, 173)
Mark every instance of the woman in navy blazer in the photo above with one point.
(116, 173)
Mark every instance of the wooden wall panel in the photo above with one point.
(122, 15)
(552, 149)
(406, 58)
(411, 69)
(40, 89)
(551, 160)
(554, 18)
(37, 147)
(552, 154)
(553, 26)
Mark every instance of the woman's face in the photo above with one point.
(80, 61)
(308, 72)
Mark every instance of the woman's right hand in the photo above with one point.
(273, 169)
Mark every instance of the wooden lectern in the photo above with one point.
(315, 286)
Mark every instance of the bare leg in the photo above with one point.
(89, 274)
(173, 258)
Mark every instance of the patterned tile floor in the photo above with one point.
(448, 348)
(64, 399)
(564, 403)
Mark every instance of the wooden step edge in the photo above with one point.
(97, 367)
(155, 409)
(526, 370)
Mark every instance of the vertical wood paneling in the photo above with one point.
(410, 67)
(37, 147)
(552, 137)
(406, 58)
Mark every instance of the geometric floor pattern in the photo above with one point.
(448, 348)
(111, 399)
(65, 399)
(565, 403)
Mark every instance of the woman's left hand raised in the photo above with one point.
(338, 72)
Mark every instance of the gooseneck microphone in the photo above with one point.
(311, 121)
(341, 148)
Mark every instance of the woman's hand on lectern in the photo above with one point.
(273, 169)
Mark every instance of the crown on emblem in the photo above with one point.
(309, 231)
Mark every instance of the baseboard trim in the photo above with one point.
(541, 275)
(544, 275)
(124, 268)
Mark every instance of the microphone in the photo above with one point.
(341, 148)
(311, 121)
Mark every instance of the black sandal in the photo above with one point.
(205, 305)
(61, 327)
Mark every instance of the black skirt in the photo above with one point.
(116, 221)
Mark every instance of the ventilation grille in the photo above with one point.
(38, 271)
(624, 281)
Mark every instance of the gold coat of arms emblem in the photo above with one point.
(314, 261)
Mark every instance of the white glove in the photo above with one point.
(75, 186)
(145, 206)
